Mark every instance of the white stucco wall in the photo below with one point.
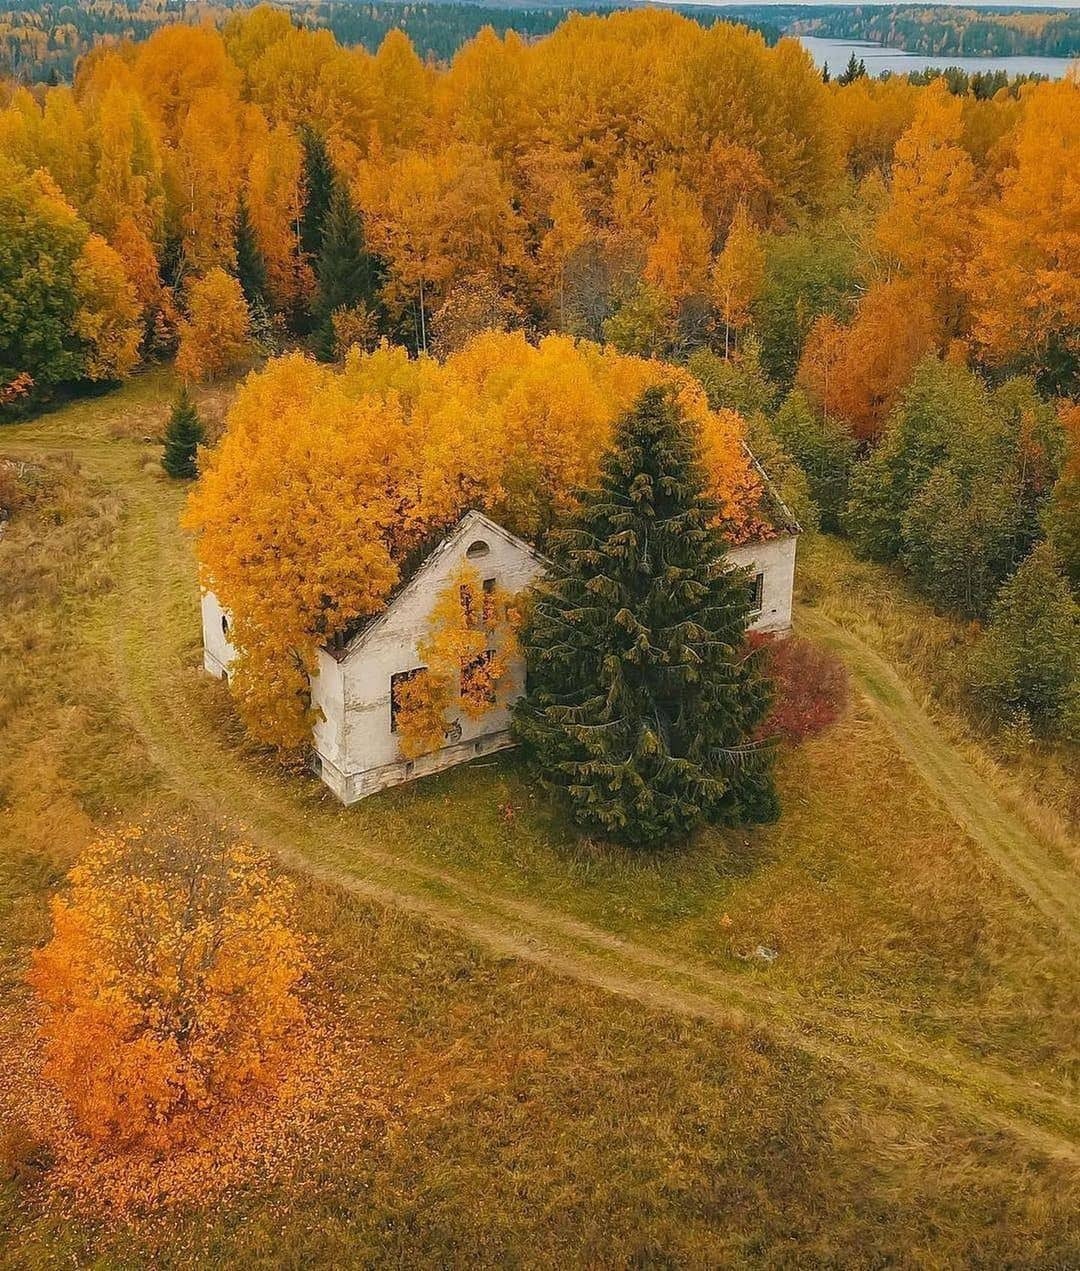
(356, 754)
(218, 652)
(775, 559)
(356, 743)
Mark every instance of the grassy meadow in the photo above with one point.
(546, 1050)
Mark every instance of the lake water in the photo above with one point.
(878, 59)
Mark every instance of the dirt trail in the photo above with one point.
(1047, 881)
(147, 625)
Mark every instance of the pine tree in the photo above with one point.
(183, 436)
(855, 69)
(318, 188)
(250, 266)
(643, 698)
(345, 271)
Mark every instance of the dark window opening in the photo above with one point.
(478, 669)
(477, 550)
(757, 593)
(396, 681)
(224, 624)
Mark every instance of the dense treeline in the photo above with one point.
(840, 264)
(42, 40)
(937, 31)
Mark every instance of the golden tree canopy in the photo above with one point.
(169, 984)
(325, 481)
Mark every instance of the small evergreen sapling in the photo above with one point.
(643, 696)
(183, 436)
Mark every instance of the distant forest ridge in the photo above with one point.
(42, 39)
(938, 31)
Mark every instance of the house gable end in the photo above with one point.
(471, 524)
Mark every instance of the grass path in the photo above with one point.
(147, 628)
(1049, 884)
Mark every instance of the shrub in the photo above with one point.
(11, 495)
(24, 1157)
(811, 687)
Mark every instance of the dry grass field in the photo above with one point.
(551, 1052)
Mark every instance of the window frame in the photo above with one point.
(487, 657)
(395, 678)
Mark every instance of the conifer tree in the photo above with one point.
(183, 436)
(345, 271)
(318, 188)
(1028, 661)
(250, 266)
(855, 69)
(643, 699)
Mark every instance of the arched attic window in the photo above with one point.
(477, 550)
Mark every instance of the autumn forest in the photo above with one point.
(277, 312)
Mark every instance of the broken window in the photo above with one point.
(477, 678)
(396, 681)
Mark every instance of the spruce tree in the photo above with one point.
(250, 266)
(643, 697)
(345, 272)
(855, 69)
(1028, 660)
(183, 436)
(318, 187)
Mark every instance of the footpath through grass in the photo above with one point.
(590, 1061)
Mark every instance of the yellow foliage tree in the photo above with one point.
(925, 228)
(108, 317)
(467, 649)
(1024, 278)
(169, 987)
(677, 262)
(436, 219)
(276, 205)
(215, 336)
(737, 275)
(325, 481)
(204, 180)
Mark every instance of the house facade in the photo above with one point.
(356, 744)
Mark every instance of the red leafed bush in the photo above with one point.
(810, 683)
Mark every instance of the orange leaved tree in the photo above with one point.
(215, 336)
(169, 987)
(857, 372)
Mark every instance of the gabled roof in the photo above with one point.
(471, 523)
(781, 517)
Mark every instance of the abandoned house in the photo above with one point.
(356, 748)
